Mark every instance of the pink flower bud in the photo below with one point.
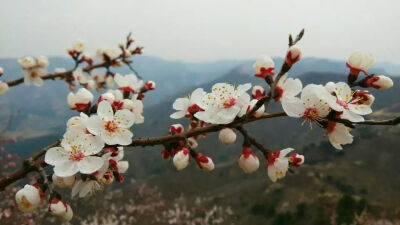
(204, 162)
(380, 82)
(150, 85)
(248, 161)
(359, 62)
(61, 210)
(258, 92)
(181, 159)
(293, 55)
(263, 67)
(28, 198)
(227, 136)
(296, 159)
(176, 129)
(80, 101)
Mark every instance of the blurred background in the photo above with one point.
(189, 44)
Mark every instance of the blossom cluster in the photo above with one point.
(91, 152)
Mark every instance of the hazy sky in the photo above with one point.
(202, 30)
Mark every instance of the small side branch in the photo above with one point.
(253, 141)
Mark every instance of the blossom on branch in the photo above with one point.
(78, 123)
(338, 134)
(278, 164)
(345, 102)
(257, 92)
(76, 154)
(34, 69)
(112, 128)
(129, 83)
(224, 103)
(188, 106)
(313, 104)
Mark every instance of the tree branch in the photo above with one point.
(253, 141)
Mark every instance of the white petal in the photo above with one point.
(293, 107)
(178, 114)
(95, 125)
(292, 87)
(90, 164)
(181, 104)
(55, 155)
(105, 111)
(66, 168)
(124, 118)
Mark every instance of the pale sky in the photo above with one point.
(202, 30)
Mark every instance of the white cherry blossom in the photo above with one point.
(313, 104)
(346, 103)
(76, 154)
(78, 123)
(287, 88)
(224, 103)
(338, 134)
(278, 164)
(112, 128)
(188, 106)
(136, 107)
(129, 83)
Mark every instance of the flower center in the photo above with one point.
(310, 114)
(229, 102)
(76, 154)
(110, 126)
(342, 103)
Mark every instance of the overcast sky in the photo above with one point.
(202, 30)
